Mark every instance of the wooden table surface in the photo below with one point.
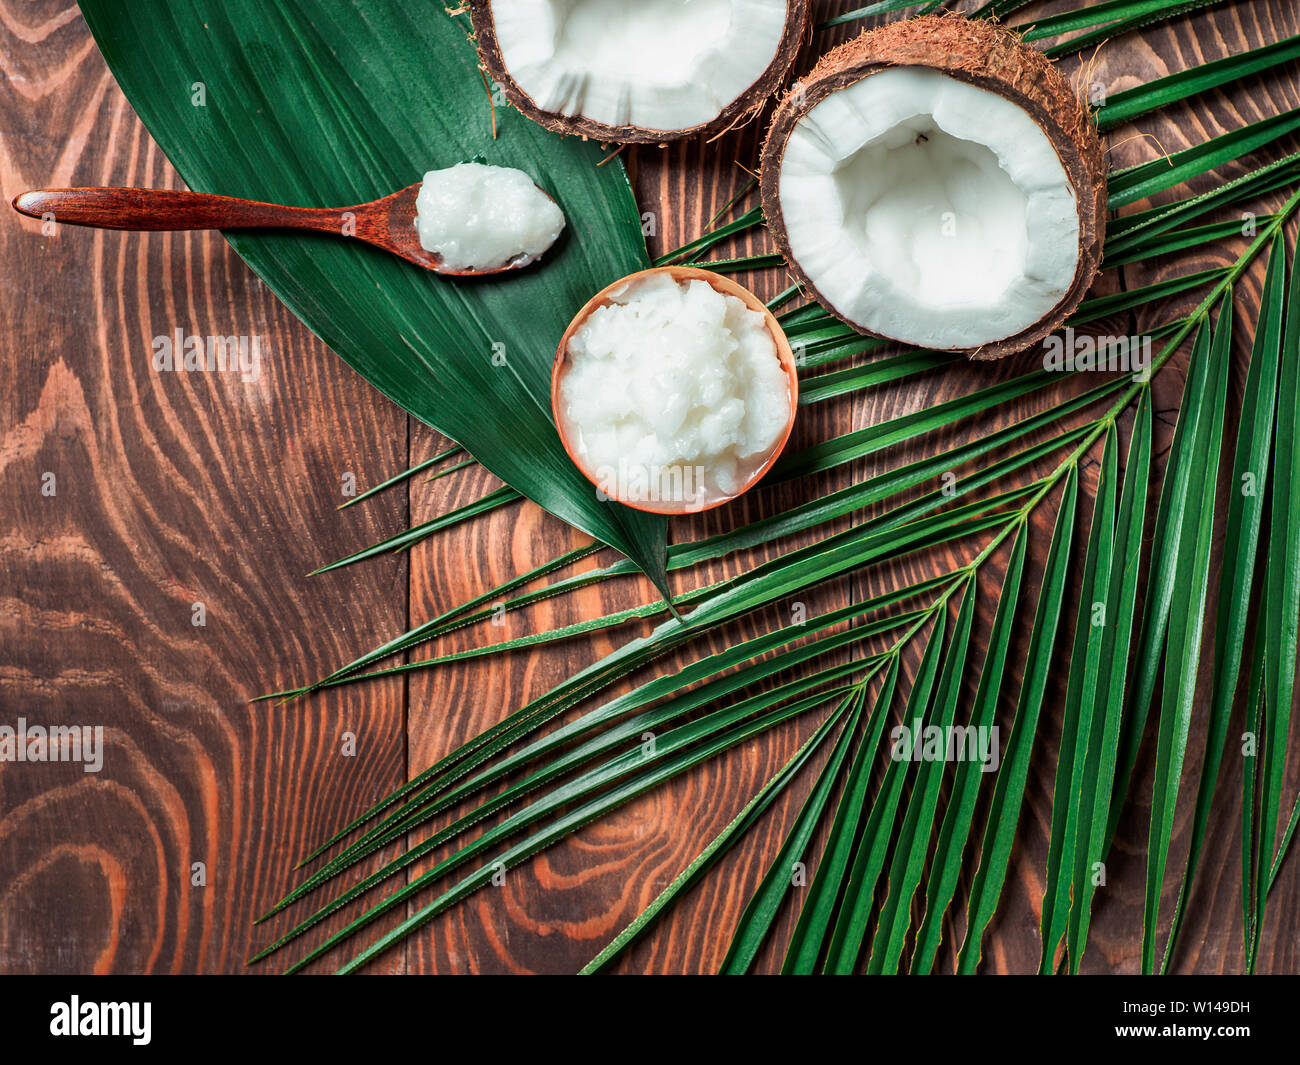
(173, 490)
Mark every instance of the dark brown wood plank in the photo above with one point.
(170, 489)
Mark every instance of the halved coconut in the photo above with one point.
(649, 71)
(937, 182)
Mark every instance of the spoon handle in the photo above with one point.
(170, 209)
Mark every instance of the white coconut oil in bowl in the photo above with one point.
(674, 390)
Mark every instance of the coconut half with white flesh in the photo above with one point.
(649, 71)
(937, 182)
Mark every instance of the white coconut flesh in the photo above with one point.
(655, 64)
(929, 210)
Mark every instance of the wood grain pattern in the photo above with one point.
(180, 488)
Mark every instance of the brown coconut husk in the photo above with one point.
(990, 57)
(735, 113)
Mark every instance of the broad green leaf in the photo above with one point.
(300, 110)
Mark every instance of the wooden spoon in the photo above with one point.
(387, 223)
(727, 287)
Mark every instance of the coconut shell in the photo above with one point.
(736, 112)
(992, 58)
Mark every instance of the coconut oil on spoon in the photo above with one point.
(468, 220)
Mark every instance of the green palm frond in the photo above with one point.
(1134, 103)
(815, 916)
(1110, 19)
(848, 927)
(955, 832)
(748, 817)
(1190, 573)
(1281, 616)
(404, 476)
(1009, 790)
(1250, 473)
